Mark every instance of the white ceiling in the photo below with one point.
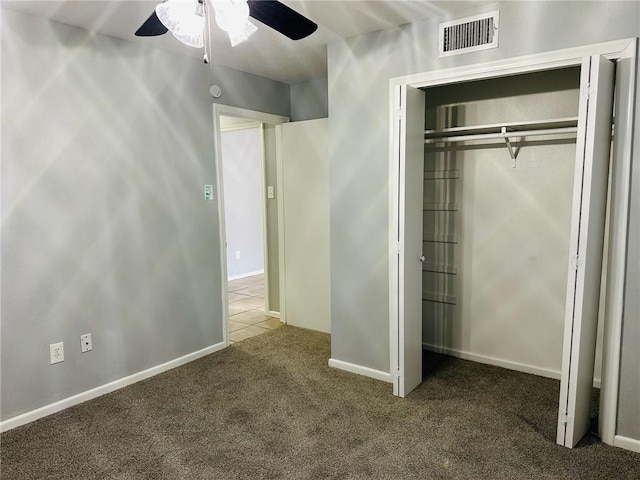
(267, 53)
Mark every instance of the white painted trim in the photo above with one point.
(618, 228)
(394, 258)
(282, 274)
(1, 194)
(238, 112)
(265, 230)
(271, 313)
(63, 404)
(360, 370)
(242, 126)
(218, 110)
(222, 234)
(626, 443)
(625, 49)
(514, 66)
(244, 275)
(498, 362)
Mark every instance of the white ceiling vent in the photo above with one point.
(469, 34)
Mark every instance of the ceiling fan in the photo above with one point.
(186, 20)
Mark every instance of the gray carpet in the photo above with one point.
(270, 407)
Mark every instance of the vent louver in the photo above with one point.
(469, 34)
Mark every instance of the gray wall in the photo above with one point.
(242, 174)
(106, 146)
(359, 72)
(245, 90)
(310, 100)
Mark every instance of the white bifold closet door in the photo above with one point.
(411, 102)
(586, 244)
(585, 255)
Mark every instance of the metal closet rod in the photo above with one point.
(505, 136)
(510, 126)
(502, 134)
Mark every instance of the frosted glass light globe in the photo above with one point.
(184, 19)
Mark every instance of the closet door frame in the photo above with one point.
(624, 53)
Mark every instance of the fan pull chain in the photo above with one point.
(207, 32)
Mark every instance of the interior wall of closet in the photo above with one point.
(497, 219)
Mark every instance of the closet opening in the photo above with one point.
(496, 232)
(500, 231)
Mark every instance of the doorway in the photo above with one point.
(244, 166)
(248, 173)
(406, 233)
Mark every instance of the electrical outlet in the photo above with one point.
(271, 192)
(56, 352)
(85, 342)
(237, 254)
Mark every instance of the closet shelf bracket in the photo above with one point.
(507, 140)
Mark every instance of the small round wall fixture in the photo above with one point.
(215, 91)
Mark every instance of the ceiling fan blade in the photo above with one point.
(151, 27)
(281, 18)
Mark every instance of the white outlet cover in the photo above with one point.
(56, 352)
(271, 192)
(85, 343)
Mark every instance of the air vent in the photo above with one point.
(469, 34)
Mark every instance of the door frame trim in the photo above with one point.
(625, 49)
(261, 117)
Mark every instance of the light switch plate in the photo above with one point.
(208, 192)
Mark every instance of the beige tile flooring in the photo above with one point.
(247, 309)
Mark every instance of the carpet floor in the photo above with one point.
(269, 407)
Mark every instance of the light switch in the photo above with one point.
(271, 192)
(208, 192)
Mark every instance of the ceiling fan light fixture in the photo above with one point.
(241, 33)
(232, 16)
(184, 19)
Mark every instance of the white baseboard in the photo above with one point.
(360, 370)
(245, 275)
(273, 314)
(626, 443)
(41, 412)
(519, 367)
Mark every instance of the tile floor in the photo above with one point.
(247, 309)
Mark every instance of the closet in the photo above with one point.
(501, 225)
(496, 222)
